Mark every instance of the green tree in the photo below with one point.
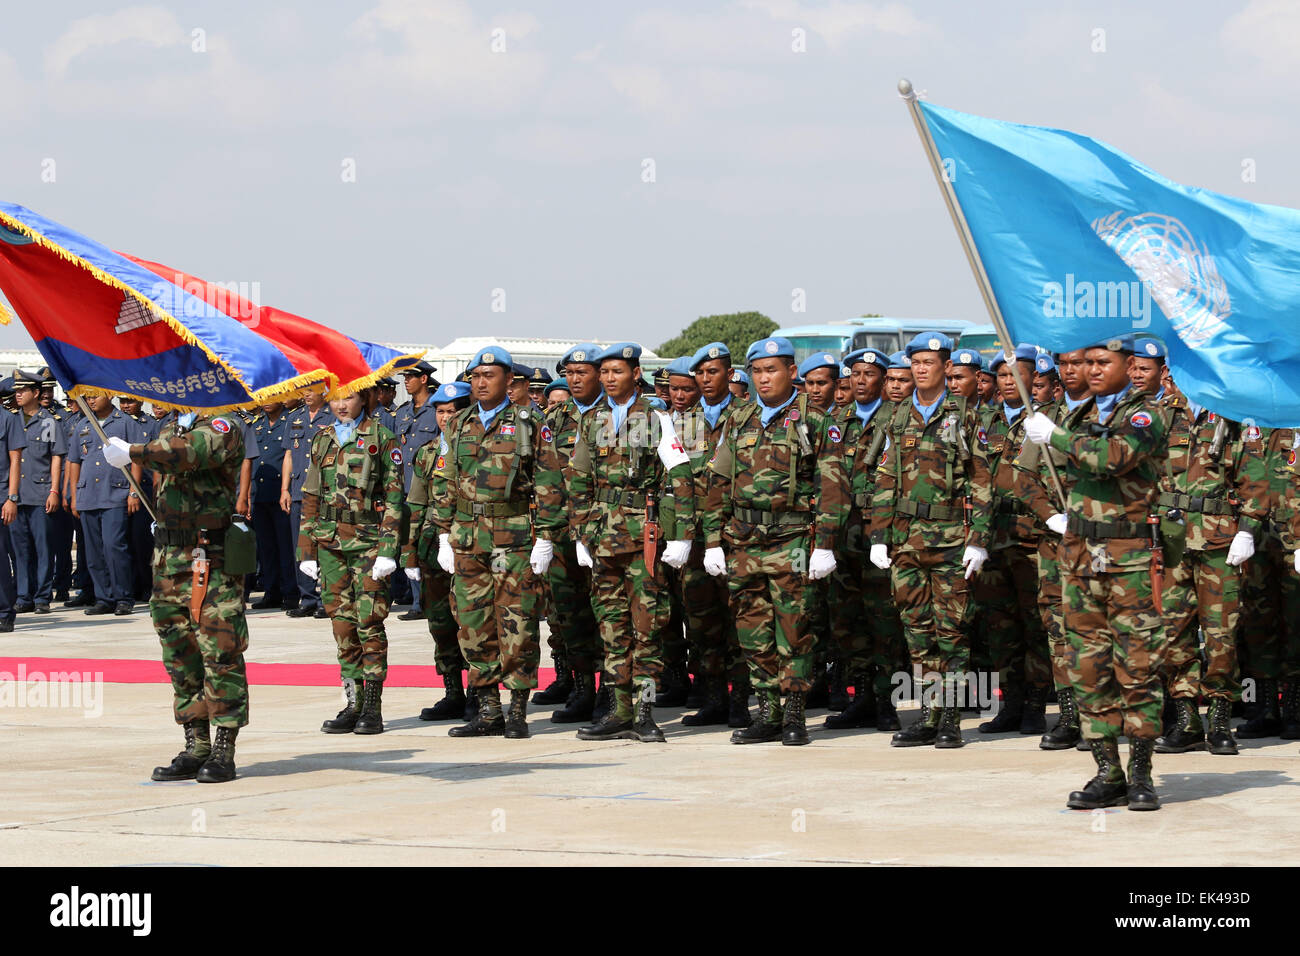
(737, 329)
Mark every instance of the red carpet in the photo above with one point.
(284, 675)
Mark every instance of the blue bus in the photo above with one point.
(887, 334)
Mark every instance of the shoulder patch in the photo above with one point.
(983, 435)
(396, 455)
(1253, 433)
(1140, 420)
(834, 433)
(547, 434)
(220, 425)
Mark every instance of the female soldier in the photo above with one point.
(351, 516)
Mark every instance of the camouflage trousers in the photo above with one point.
(205, 661)
(1050, 605)
(1115, 655)
(571, 621)
(1269, 641)
(710, 627)
(1202, 590)
(632, 610)
(864, 621)
(772, 602)
(435, 605)
(357, 606)
(496, 598)
(932, 593)
(673, 639)
(1017, 640)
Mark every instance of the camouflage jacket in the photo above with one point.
(1014, 520)
(932, 481)
(777, 482)
(563, 422)
(700, 439)
(198, 480)
(1031, 481)
(426, 486)
(1269, 465)
(1114, 471)
(615, 474)
(352, 496)
(494, 477)
(1205, 480)
(863, 446)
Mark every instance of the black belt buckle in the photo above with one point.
(476, 508)
(1196, 504)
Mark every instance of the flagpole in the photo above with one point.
(973, 257)
(126, 470)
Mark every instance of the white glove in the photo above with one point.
(677, 553)
(880, 556)
(974, 559)
(383, 568)
(1039, 428)
(309, 568)
(1297, 561)
(1057, 523)
(540, 559)
(821, 563)
(1242, 547)
(446, 559)
(584, 556)
(412, 573)
(117, 453)
(715, 561)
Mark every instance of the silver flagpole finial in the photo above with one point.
(905, 88)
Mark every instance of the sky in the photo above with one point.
(416, 170)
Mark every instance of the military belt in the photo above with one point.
(1011, 506)
(862, 501)
(923, 509)
(348, 515)
(1105, 529)
(491, 509)
(1195, 503)
(621, 499)
(187, 537)
(772, 518)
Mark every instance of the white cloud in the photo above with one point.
(15, 97)
(837, 22)
(1267, 31)
(150, 25)
(645, 86)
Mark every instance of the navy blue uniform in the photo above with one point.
(33, 530)
(299, 432)
(415, 427)
(275, 543)
(12, 438)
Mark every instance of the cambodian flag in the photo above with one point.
(105, 321)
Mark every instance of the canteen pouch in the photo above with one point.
(1173, 534)
(240, 547)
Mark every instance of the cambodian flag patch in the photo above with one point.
(507, 429)
(220, 425)
(361, 443)
(1140, 420)
(834, 432)
(1212, 418)
(983, 436)
(396, 456)
(546, 433)
(1253, 433)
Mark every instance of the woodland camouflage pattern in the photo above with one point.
(572, 624)
(1270, 594)
(422, 552)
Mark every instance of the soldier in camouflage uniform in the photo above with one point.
(500, 461)
(1223, 512)
(899, 383)
(1034, 486)
(778, 499)
(197, 459)
(864, 618)
(1009, 584)
(351, 522)
(1110, 567)
(421, 556)
(1270, 595)
(626, 460)
(930, 511)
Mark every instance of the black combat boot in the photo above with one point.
(861, 712)
(604, 699)
(488, 722)
(676, 685)
(1218, 738)
(948, 734)
(558, 690)
(819, 695)
(1291, 710)
(698, 695)
(371, 718)
(1187, 732)
(1066, 732)
(643, 723)
(471, 702)
(767, 726)
(921, 733)
(1141, 791)
(452, 705)
(517, 716)
(220, 765)
(738, 704)
(839, 688)
(1033, 719)
(1108, 788)
(345, 721)
(1010, 711)
(617, 722)
(581, 703)
(794, 730)
(715, 709)
(886, 715)
(187, 763)
(1267, 721)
